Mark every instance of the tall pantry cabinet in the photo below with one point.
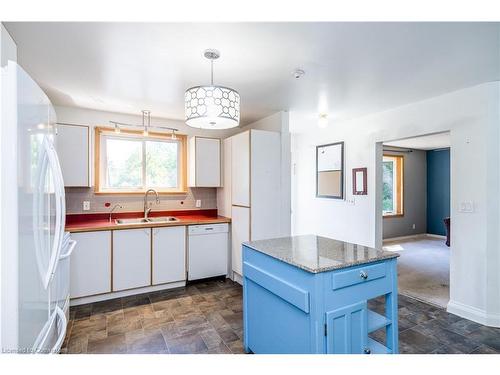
(251, 189)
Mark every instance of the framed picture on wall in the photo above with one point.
(330, 171)
(359, 183)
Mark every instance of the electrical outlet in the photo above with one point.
(198, 203)
(86, 205)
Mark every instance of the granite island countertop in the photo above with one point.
(317, 254)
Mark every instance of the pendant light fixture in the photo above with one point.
(213, 106)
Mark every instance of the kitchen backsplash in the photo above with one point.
(76, 196)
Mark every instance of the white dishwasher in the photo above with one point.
(207, 250)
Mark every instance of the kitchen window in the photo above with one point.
(392, 185)
(130, 162)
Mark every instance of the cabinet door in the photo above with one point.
(131, 258)
(90, 264)
(347, 329)
(240, 232)
(240, 169)
(224, 193)
(72, 144)
(208, 162)
(169, 254)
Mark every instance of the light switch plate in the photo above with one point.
(466, 206)
(198, 203)
(86, 205)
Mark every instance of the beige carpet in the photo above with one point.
(423, 268)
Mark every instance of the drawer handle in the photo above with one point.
(363, 275)
(367, 351)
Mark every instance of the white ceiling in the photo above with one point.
(425, 142)
(352, 69)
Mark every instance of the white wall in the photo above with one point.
(279, 122)
(472, 117)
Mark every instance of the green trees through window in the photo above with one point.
(392, 185)
(388, 186)
(137, 163)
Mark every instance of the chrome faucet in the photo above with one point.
(115, 206)
(147, 210)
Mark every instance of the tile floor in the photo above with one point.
(206, 317)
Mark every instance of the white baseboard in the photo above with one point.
(474, 314)
(237, 278)
(413, 236)
(401, 238)
(125, 293)
(436, 236)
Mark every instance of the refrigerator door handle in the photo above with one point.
(71, 247)
(62, 334)
(60, 209)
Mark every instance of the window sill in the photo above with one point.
(177, 192)
(389, 216)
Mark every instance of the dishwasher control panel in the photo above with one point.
(208, 228)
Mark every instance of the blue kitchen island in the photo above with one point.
(309, 294)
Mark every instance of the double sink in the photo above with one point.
(141, 220)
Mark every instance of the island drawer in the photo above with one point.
(358, 275)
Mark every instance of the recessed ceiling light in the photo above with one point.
(323, 120)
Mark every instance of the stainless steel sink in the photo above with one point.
(131, 221)
(161, 219)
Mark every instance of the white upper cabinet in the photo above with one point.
(204, 162)
(131, 258)
(72, 144)
(240, 169)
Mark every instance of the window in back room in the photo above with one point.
(392, 191)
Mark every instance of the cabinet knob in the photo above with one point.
(363, 275)
(367, 351)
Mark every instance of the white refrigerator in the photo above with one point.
(35, 249)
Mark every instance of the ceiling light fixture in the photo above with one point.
(323, 120)
(146, 122)
(145, 126)
(213, 106)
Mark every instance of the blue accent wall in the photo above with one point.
(438, 190)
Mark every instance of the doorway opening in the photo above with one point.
(416, 214)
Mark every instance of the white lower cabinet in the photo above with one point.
(131, 258)
(169, 254)
(90, 264)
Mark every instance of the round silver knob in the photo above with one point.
(367, 351)
(363, 275)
